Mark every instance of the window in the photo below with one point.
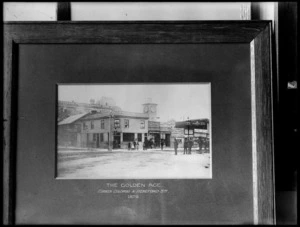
(117, 123)
(85, 126)
(92, 124)
(126, 123)
(94, 136)
(101, 137)
(142, 124)
(78, 127)
(128, 137)
(139, 137)
(102, 124)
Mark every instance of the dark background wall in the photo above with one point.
(286, 116)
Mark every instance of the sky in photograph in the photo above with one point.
(174, 101)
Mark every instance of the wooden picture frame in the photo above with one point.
(256, 34)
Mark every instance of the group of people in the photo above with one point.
(203, 144)
(146, 144)
(133, 145)
(187, 146)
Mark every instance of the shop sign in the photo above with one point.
(200, 135)
(198, 123)
(198, 130)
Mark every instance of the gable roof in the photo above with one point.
(96, 116)
(72, 119)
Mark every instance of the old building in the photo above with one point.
(196, 130)
(107, 126)
(158, 131)
(101, 130)
(154, 133)
(117, 128)
(69, 131)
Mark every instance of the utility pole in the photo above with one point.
(188, 124)
(188, 129)
(110, 132)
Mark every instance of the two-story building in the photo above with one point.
(98, 130)
(119, 128)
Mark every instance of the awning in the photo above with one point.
(197, 123)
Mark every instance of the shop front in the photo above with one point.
(196, 131)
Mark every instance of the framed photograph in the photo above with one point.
(157, 122)
(116, 136)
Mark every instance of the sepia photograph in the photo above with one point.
(134, 131)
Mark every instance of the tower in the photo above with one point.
(150, 108)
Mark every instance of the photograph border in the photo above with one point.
(133, 83)
(256, 33)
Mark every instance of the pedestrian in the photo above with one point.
(200, 142)
(132, 146)
(137, 145)
(175, 146)
(162, 144)
(151, 143)
(115, 144)
(190, 145)
(129, 146)
(144, 145)
(185, 146)
(206, 145)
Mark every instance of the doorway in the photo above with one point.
(167, 142)
(98, 140)
(117, 140)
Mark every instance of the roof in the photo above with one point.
(195, 123)
(72, 119)
(151, 103)
(116, 114)
(95, 116)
